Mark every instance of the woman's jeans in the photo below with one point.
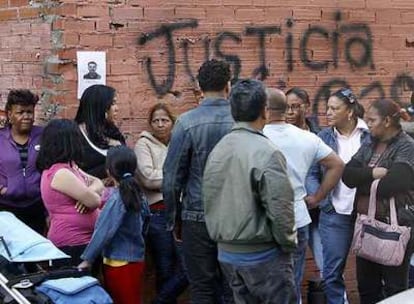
(336, 234)
(171, 279)
(315, 242)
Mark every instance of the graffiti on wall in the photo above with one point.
(354, 36)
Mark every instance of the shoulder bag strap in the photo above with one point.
(99, 150)
(373, 204)
(373, 199)
(393, 212)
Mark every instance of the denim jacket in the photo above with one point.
(194, 136)
(316, 173)
(23, 184)
(118, 233)
(313, 124)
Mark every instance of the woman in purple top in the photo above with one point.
(19, 178)
(65, 188)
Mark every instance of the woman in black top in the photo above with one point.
(96, 115)
(388, 157)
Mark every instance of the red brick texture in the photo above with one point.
(24, 46)
(116, 26)
(39, 40)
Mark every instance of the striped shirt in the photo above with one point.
(24, 153)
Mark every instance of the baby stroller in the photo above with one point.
(23, 279)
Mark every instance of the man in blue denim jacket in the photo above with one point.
(195, 134)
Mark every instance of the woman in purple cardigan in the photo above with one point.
(19, 178)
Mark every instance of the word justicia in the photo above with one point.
(355, 36)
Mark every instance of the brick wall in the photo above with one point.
(39, 40)
(24, 45)
(309, 43)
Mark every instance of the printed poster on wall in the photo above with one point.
(91, 69)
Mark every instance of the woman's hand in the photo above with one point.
(113, 142)
(379, 172)
(81, 208)
(108, 182)
(3, 190)
(84, 265)
(177, 232)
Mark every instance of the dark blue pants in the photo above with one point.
(269, 282)
(171, 279)
(207, 284)
(299, 259)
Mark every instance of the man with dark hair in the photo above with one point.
(92, 74)
(195, 134)
(248, 203)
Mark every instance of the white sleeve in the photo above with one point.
(322, 149)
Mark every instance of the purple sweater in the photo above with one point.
(23, 186)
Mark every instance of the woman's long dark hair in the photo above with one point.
(60, 143)
(121, 162)
(96, 100)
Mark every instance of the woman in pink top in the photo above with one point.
(66, 190)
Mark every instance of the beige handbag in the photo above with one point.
(377, 241)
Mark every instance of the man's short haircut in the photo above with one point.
(276, 100)
(213, 75)
(92, 62)
(247, 100)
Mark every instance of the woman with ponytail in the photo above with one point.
(118, 234)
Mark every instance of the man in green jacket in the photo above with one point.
(248, 204)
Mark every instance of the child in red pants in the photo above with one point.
(118, 233)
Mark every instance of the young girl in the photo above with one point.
(118, 234)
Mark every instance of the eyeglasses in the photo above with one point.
(347, 93)
(294, 107)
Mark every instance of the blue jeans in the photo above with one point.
(299, 259)
(315, 244)
(171, 279)
(207, 283)
(269, 282)
(336, 233)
